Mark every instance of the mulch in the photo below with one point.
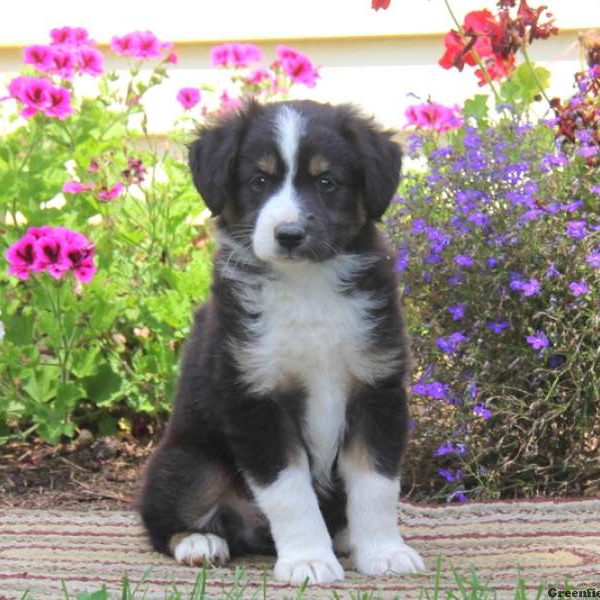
(86, 474)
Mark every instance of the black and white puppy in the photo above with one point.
(290, 419)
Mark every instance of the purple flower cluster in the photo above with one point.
(496, 244)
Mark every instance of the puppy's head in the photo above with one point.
(295, 181)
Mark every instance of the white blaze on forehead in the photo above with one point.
(290, 127)
(282, 207)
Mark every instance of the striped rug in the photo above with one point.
(545, 542)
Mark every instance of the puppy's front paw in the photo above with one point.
(199, 548)
(320, 570)
(392, 557)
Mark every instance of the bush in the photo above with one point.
(95, 306)
(498, 242)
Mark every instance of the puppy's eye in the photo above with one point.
(259, 182)
(326, 183)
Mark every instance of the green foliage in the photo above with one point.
(92, 353)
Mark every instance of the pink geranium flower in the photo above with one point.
(80, 254)
(140, 45)
(258, 76)
(63, 62)
(235, 54)
(297, 66)
(59, 103)
(123, 46)
(172, 58)
(21, 257)
(69, 36)
(41, 57)
(76, 187)
(31, 91)
(106, 195)
(50, 254)
(54, 250)
(90, 61)
(431, 115)
(148, 45)
(188, 97)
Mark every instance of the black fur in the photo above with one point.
(220, 431)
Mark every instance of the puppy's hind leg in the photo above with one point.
(179, 505)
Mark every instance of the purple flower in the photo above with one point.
(481, 411)
(497, 326)
(457, 311)
(450, 343)
(403, 258)
(552, 271)
(579, 288)
(530, 215)
(451, 476)
(531, 288)
(587, 151)
(491, 262)
(455, 279)
(595, 189)
(538, 341)
(435, 389)
(450, 448)
(419, 226)
(458, 495)
(464, 261)
(576, 229)
(478, 218)
(516, 285)
(471, 389)
(573, 206)
(593, 259)
(556, 360)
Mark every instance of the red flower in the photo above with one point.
(377, 4)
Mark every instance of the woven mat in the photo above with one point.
(543, 541)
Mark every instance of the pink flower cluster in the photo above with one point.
(54, 250)
(235, 54)
(434, 116)
(104, 194)
(70, 52)
(143, 45)
(39, 95)
(297, 66)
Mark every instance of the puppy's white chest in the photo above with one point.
(311, 335)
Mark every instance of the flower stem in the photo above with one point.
(475, 54)
(535, 77)
(63, 350)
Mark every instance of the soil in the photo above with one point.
(86, 474)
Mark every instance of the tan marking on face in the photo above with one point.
(318, 164)
(267, 164)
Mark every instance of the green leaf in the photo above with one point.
(67, 396)
(85, 362)
(104, 387)
(18, 329)
(476, 108)
(42, 384)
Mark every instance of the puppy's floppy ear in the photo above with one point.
(380, 161)
(212, 158)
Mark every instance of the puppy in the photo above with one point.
(290, 419)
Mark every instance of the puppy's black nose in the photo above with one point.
(289, 235)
